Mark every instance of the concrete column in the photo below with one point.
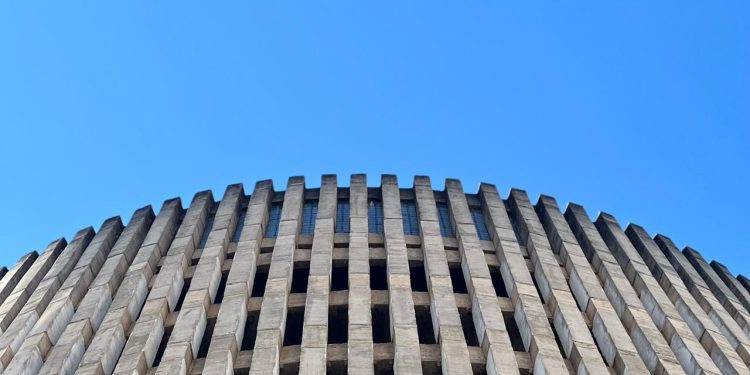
(182, 347)
(610, 334)
(360, 346)
(732, 283)
(690, 353)
(65, 355)
(446, 321)
(529, 312)
(580, 347)
(58, 314)
(29, 282)
(707, 301)
(315, 331)
(13, 337)
(230, 323)
(712, 339)
(407, 357)
(485, 308)
(718, 288)
(11, 278)
(129, 289)
(648, 340)
(143, 342)
(273, 310)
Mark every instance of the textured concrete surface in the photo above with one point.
(236, 286)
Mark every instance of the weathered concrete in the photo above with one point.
(207, 290)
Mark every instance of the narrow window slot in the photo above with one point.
(340, 278)
(470, 331)
(425, 330)
(378, 277)
(294, 323)
(206, 340)
(338, 325)
(183, 293)
(251, 331)
(457, 279)
(162, 345)
(300, 277)
(418, 279)
(381, 324)
(516, 341)
(259, 284)
(222, 287)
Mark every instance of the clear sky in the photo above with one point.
(637, 108)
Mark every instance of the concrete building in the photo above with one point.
(347, 278)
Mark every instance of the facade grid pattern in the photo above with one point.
(370, 281)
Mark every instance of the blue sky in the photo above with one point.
(636, 108)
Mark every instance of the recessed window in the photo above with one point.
(375, 216)
(497, 282)
(183, 293)
(479, 224)
(342, 216)
(299, 280)
(251, 330)
(378, 276)
(425, 331)
(295, 319)
(458, 281)
(338, 324)
(274, 217)
(206, 341)
(162, 345)
(222, 287)
(240, 224)
(309, 214)
(206, 232)
(381, 324)
(259, 284)
(409, 217)
(340, 278)
(444, 218)
(516, 341)
(470, 330)
(418, 279)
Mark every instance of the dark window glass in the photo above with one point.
(342, 216)
(409, 215)
(476, 214)
(240, 224)
(206, 231)
(295, 319)
(444, 218)
(381, 324)
(338, 323)
(273, 220)
(206, 340)
(309, 214)
(375, 216)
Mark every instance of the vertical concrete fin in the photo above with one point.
(315, 325)
(648, 340)
(360, 342)
(273, 311)
(529, 312)
(407, 357)
(571, 328)
(711, 338)
(611, 336)
(690, 353)
(446, 321)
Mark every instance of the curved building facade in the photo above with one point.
(361, 280)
